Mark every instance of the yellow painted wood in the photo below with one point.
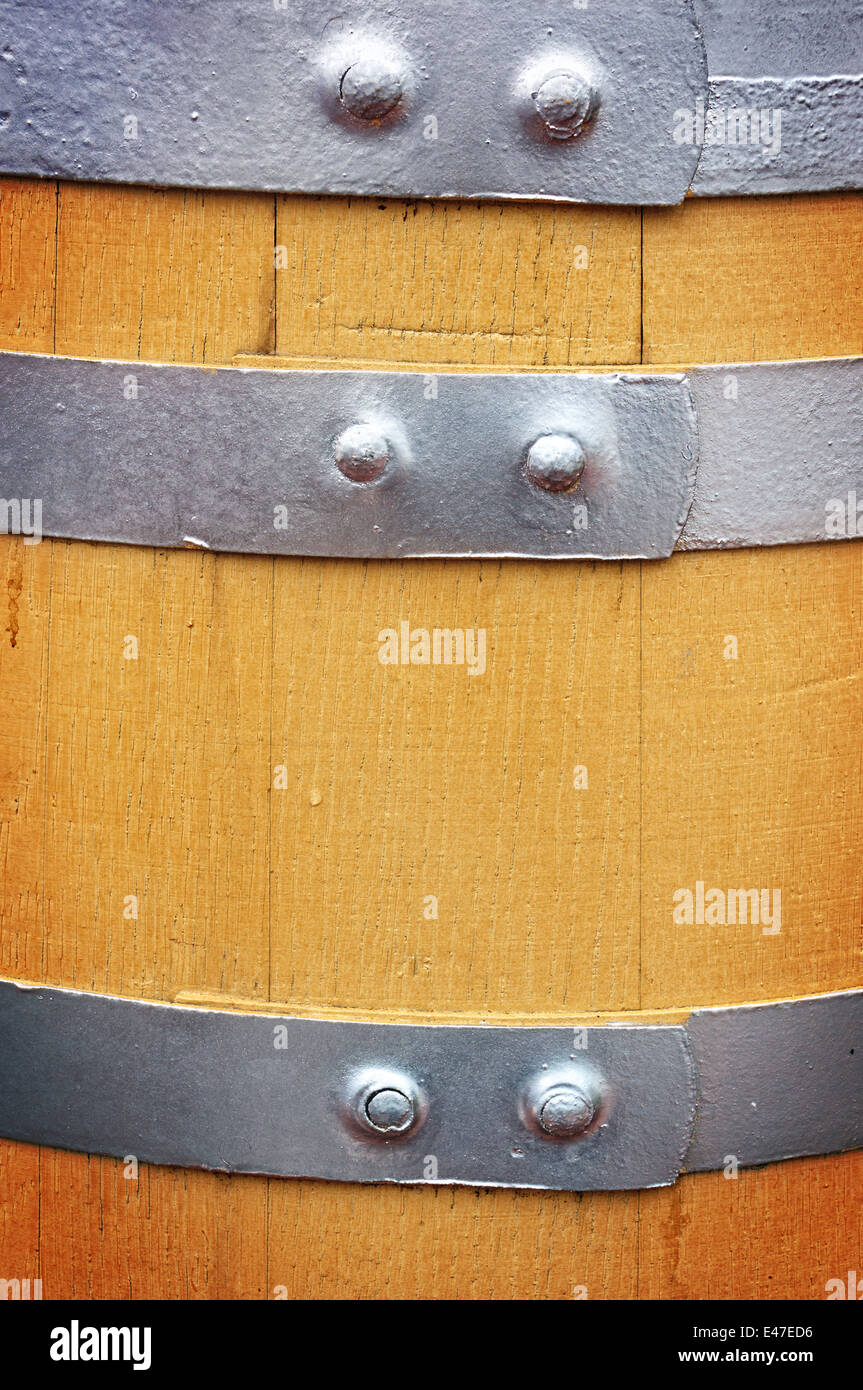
(168, 1233)
(28, 213)
(165, 275)
(399, 791)
(431, 283)
(751, 771)
(28, 219)
(753, 279)
(783, 1231)
(155, 778)
(109, 785)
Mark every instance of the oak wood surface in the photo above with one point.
(153, 778)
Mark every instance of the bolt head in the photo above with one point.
(390, 1111)
(566, 1112)
(362, 453)
(555, 462)
(564, 102)
(373, 86)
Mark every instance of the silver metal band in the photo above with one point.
(596, 103)
(784, 108)
(780, 454)
(580, 1109)
(401, 464)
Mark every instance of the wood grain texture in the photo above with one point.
(753, 279)
(782, 1231)
(753, 766)
(511, 285)
(28, 240)
(167, 275)
(167, 1233)
(458, 788)
(28, 214)
(154, 777)
(752, 771)
(111, 785)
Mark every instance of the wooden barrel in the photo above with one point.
(214, 792)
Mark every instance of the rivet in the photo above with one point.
(362, 453)
(565, 1112)
(385, 1104)
(555, 462)
(565, 1101)
(565, 101)
(390, 1111)
(373, 85)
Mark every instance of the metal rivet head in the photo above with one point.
(362, 453)
(390, 1111)
(565, 1102)
(555, 462)
(565, 1112)
(385, 1104)
(373, 86)
(565, 102)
